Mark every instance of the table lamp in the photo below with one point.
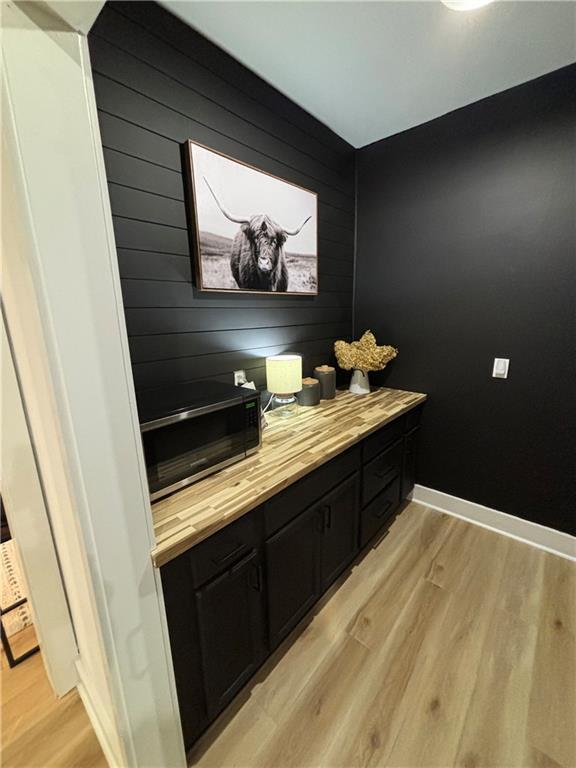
(283, 378)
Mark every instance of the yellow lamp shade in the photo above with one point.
(284, 374)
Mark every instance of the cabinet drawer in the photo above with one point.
(380, 471)
(296, 498)
(379, 511)
(380, 440)
(223, 549)
(413, 418)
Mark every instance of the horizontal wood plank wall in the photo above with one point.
(158, 83)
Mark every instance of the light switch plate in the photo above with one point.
(500, 370)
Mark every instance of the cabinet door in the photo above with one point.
(340, 540)
(179, 601)
(409, 465)
(293, 572)
(231, 624)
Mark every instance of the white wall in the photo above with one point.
(63, 305)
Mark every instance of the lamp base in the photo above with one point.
(285, 406)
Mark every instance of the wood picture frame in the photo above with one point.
(253, 232)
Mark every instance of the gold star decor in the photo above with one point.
(363, 355)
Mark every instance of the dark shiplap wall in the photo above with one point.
(466, 252)
(158, 83)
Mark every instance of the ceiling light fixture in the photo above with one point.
(465, 5)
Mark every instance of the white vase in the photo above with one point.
(359, 383)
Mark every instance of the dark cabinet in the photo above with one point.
(232, 598)
(379, 511)
(340, 529)
(304, 557)
(293, 572)
(181, 616)
(409, 465)
(378, 473)
(286, 505)
(224, 549)
(231, 624)
(413, 419)
(382, 439)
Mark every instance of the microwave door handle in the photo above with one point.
(192, 413)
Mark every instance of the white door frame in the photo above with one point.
(73, 271)
(30, 527)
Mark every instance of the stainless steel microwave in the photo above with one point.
(191, 430)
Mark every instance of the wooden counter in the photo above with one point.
(290, 449)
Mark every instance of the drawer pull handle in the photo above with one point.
(256, 578)
(327, 516)
(382, 473)
(393, 480)
(221, 560)
(382, 511)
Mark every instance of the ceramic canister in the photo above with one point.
(310, 392)
(326, 375)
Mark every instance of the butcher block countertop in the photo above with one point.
(290, 449)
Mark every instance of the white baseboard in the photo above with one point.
(101, 722)
(540, 536)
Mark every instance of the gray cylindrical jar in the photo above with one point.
(310, 392)
(326, 375)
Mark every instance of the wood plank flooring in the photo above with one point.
(38, 729)
(448, 645)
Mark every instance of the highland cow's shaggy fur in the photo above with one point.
(257, 256)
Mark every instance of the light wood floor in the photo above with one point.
(38, 729)
(448, 645)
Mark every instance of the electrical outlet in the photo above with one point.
(239, 378)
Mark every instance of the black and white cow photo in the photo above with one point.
(254, 232)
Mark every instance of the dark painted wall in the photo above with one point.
(466, 252)
(157, 84)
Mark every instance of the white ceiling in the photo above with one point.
(371, 69)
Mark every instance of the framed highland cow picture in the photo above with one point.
(254, 232)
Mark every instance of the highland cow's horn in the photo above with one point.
(295, 231)
(235, 219)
